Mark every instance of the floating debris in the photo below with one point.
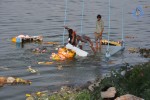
(4, 68)
(13, 81)
(56, 48)
(111, 62)
(145, 52)
(130, 37)
(32, 70)
(63, 54)
(146, 6)
(54, 43)
(60, 67)
(133, 50)
(45, 63)
(138, 12)
(20, 81)
(3, 81)
(39, 50)
(26, 39)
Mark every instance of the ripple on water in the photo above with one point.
(46, 17)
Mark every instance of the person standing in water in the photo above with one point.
(98, 32)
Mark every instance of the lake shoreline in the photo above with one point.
(124, 75)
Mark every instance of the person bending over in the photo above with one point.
(75, 39)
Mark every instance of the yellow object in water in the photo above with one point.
(45, 63)
(28, 95)
(21, 81)
(50, 43)
(63, 53)
(105, 42)
(13, 39)
(55, 57)
(70, 54)
(39, 93)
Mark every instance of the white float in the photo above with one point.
(78, 51)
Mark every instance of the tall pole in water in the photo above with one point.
(66, 4)
(122, 25)
(82, 17)
(107, 51)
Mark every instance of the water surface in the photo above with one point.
(46, 17)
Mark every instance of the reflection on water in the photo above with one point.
(46, 17)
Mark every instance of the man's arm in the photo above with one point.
(102, 28)
(101, 32)
(66, 27)
(73, 37)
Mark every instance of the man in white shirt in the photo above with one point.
(98, 32)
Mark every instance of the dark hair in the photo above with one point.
(98, 16)
(70, 31)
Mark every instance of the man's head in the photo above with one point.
(70, 33)
(98, 17)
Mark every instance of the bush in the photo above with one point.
(135, 81)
